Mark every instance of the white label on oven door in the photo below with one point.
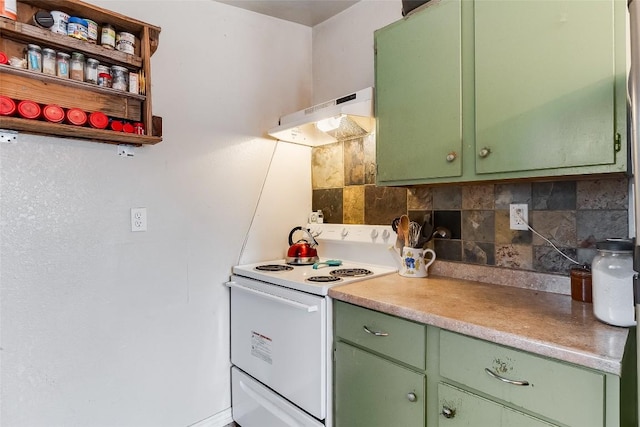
(261, 347)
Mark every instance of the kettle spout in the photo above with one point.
(396, 256)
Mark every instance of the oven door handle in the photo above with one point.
(291, 303)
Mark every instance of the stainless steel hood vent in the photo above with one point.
(340, 119)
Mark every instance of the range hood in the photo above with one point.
(340, 119)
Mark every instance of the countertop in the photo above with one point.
(543, 323)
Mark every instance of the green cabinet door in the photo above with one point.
(459, 408)
(545, 84)
(418, 95)
(370, 391)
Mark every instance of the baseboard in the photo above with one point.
(221, 419)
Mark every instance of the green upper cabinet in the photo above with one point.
(545, 83)
(539, 89)
(419, 95)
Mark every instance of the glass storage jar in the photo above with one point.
(76, 66)
(91, 71)
(119, 78)
(63, 65)
(612, 282)
(34, 57)
(49, 61)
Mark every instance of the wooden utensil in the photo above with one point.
(404, 226)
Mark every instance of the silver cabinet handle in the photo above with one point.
(503, 379)
(376, 333)
(448, 412)
(451, 156)
(412, 397)
(484, 152)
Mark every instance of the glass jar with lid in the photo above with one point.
(34, 57)
(91, 71)
(49, 61)
(63, 65)
(119, 78)
(76, 66)
(612, 286)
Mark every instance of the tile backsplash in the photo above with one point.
(574, 215)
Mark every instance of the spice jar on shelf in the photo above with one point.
(49, 61)
(91, 71)
(108, 36)
(76, 66)
(119, 78)
(62, 65)
(34, 57)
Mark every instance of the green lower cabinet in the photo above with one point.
(459, 408)
(370, 391)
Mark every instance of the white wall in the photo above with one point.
(343, 48)
(104, 327)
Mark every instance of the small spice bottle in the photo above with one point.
(34, 57)
(108, 36)
(63, 65)
(92, 31)
(581, 283)
(77, 67)
(91, 71)
(104, 79)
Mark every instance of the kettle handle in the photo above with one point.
(291, 234)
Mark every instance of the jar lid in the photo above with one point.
(128, 128)
(53, 113)
(43, 19)
(7, 106)
(3, 58)
(76, 116)
(76, 20)
(116, 125)
(118, 68)
(617, 245)
(63, 55)
(77, 55)
(98, 120)
(92, 61)
(29, 109)
(48, 50)
(34, 46)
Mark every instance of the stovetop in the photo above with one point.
(307, 279)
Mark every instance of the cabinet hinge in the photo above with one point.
(617, 144)
(334, 354)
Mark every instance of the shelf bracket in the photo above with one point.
(10, 136)
(125, 150)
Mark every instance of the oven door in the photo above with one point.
(279, 337)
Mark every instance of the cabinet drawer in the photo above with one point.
(562, 392)
(459, 408)
(397, 338)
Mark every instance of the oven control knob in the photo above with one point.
(385, 234)
(344, 232)
(374, 234)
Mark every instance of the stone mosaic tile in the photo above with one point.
(330, 202)
(478, 226)
(515, 256)
(450, 250)
(603, 194)
(447, 198)
(419, 198)
(383, 204)
(546, 259)
(354, 173)
(452, 220)
(593, 226)
(505, 235)
(557, 226)
(370, 159)
(478, 253)
(553, 195)
(421, 216)
(478, 197)
(353, 208)
(505, 194)
(327, 166)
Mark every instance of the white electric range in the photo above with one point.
(281, 327)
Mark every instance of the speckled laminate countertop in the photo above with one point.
(543, 323)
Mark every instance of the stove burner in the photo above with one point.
(274, 267)
(350, 272)
(323, 279)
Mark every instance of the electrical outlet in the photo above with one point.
(138, 219)
(518, 216)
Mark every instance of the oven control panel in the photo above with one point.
(355, 233)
